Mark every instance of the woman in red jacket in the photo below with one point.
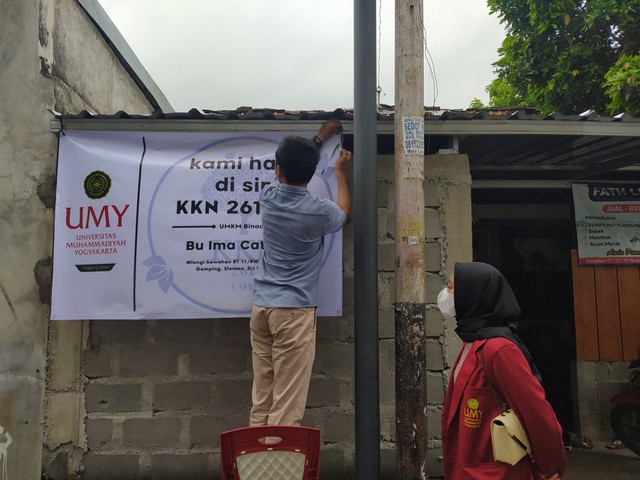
(486, 312)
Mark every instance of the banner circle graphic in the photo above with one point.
(97, 185)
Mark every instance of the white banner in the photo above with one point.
(607, 223)
(167, 225)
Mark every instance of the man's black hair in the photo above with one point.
(298, 158)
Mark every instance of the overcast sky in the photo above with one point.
(297, 54)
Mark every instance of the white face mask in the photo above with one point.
(446, 303)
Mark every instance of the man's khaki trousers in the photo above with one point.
(283, 342)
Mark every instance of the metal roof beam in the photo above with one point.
(384, 127)
(520, 184)
(610, 165)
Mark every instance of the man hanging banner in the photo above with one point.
(607, 223)
(152, 225)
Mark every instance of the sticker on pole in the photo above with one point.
(413, 135)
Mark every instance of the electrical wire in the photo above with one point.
(431, 66)
(419, 19)
(427, 56)
(432, 73)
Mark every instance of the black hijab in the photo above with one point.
(486, 306)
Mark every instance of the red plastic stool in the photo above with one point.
(270, 452)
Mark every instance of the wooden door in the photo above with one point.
(607, 311)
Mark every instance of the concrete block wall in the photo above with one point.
(150, 398)
(158, 394)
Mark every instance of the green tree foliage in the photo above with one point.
(568, 55)
(476, 103)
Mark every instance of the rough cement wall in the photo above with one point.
(158, 393)
(87, 75)
(26, 165)
(35, 49)
(597, 382)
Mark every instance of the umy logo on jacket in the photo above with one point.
(472, 415)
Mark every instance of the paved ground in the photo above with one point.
(602, 464)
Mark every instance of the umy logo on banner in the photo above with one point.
(167, 225)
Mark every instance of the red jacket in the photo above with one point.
(470, 406)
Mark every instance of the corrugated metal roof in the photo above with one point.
(385, 112)
(503, 144)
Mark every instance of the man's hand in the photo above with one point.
(342, 168)
(343, 163)
(328, 129)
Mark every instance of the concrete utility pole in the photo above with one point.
(411, 368)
